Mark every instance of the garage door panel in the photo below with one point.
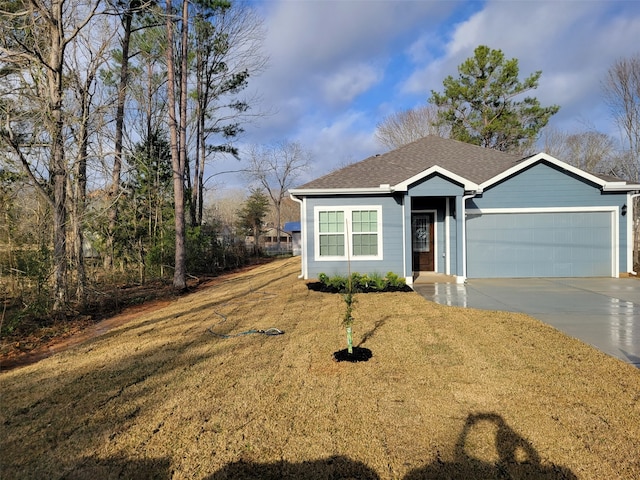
(563, 235)
(575, 244)
(524, 221)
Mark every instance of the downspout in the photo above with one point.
(464, 232)
(408, 280)
(303, 235)
(633, 235)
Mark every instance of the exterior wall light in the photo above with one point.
(624, 210)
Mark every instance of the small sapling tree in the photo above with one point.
(349, 299)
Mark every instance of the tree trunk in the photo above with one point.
(196, 194)
(117, 157)
(179, 275)
(58, 168)
(201, 186)
(278, 220)
(80, 194)
(195, 187)
(201, 136)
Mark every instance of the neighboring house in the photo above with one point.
(269, 241)
(439, 205)
(225, 235)
(293, 228)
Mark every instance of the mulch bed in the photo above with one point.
(360, 354)
(323, 288)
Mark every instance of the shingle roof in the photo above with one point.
(474, 163)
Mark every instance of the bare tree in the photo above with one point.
(622, 92)
(32, 48)
(125, 10)
(275, 167)
(88, 56)
(591, 150)
(407, 126)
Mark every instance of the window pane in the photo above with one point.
(331, 222)
(365, 221)
(365, 244)
(332, 245)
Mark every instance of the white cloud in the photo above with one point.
(316, 47)
(573, 43)
(337, 67)
(344, 85)
(338, 143)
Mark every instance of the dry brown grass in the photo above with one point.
(449, 393)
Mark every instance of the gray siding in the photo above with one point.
(544, 185)
(435, 186)
(392, 258)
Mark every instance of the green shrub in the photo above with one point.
(377, 282)
(373, 282)
(394, 281)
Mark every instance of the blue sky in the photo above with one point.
(337, 68)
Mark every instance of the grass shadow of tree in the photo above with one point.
(367, 335)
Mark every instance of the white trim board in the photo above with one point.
(604, 208)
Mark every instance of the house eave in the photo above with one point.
(314, 192)
(620, 187)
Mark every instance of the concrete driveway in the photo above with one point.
(604, 312)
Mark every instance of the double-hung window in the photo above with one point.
(354, 232)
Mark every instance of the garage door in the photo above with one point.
(576, 244)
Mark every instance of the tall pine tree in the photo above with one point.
(481, 105)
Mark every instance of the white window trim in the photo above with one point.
(348, 210)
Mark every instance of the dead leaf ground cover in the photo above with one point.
(449, 393)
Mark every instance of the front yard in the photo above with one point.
(449, 393)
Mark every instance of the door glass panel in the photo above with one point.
(421, 233)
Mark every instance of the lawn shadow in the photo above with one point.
(517, 458)
(120, 467)
(367, 335)
(332, 467)
(101, 401)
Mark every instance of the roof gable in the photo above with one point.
(467, 184)
(472, 166)
(463, 162)
(605, 183)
